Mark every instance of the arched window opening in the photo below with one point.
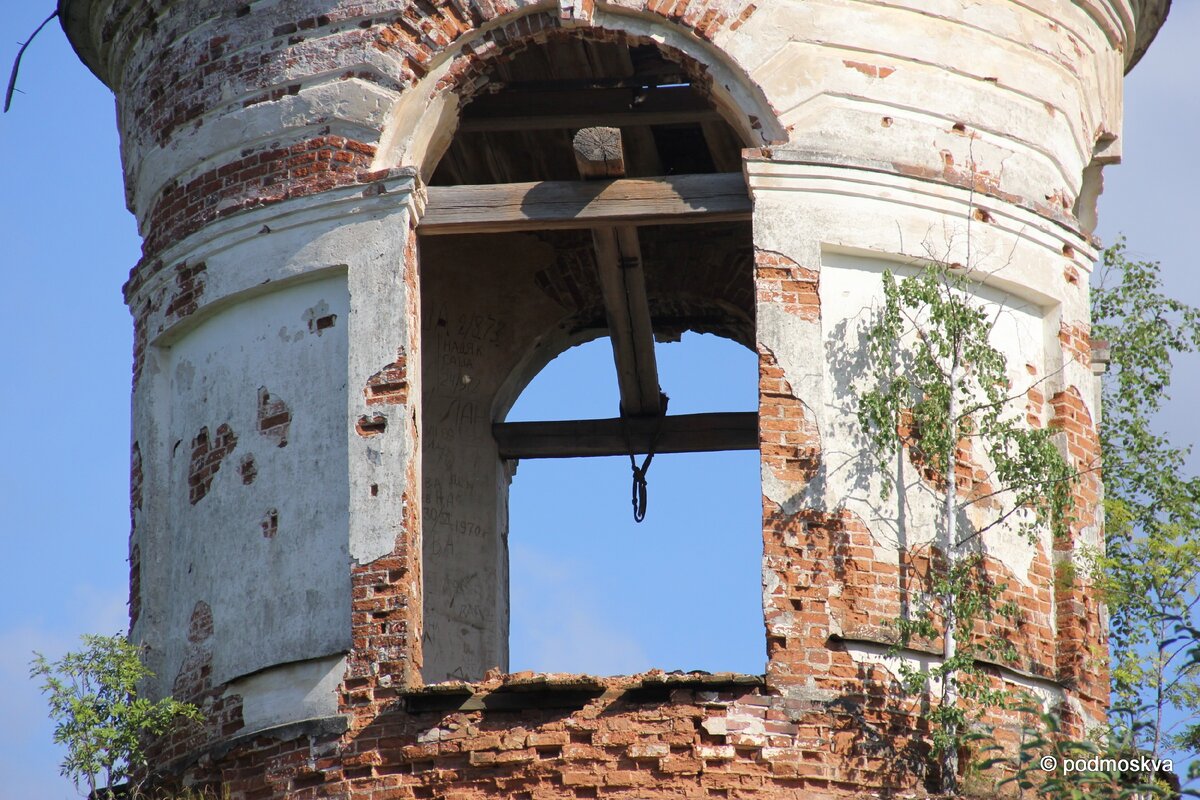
(572, 190)
(594, 592)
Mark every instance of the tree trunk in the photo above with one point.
(949, 637)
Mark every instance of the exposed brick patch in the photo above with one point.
(318, 319)
(274, 417)
(973, 178)
(421, 36)
(971, 478)
(870, 70)
(747, 12)
(256, 179)
(385, 620)
(206, 460)
(321, 324)
(371, 426)
(388, 386)
(200, 626)
(270, 523)
(1082, 638)
(135, 585)
(193, 683)
(189, 286)
(788, 439)
(784, 283)
(1076, 341)
(1035, 401)
(248, 469)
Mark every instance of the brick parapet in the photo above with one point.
(656, 735)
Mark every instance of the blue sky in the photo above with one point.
(67, 243)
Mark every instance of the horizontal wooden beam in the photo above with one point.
(618, 107)
(496, 208)
(588, 119)
(685, 433)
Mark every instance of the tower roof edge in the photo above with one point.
(1149, 16)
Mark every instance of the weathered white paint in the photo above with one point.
(351, 108)
(290, 692)
(269, 273)
(276, 599)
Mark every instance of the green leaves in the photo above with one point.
(937, 383)
(1150, 570)
(99, 717)
(1047, 765)
(938, 387)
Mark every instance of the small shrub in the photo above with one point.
(100, 717)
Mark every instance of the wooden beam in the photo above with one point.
(598, 153)
(623, 287)
(641, 152)
(523, 111)
(584, 119)
(723, 146)
(496, 208)
(686, 433)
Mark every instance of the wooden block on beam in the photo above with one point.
(598, 153)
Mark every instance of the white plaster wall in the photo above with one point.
(298, 691)
(269, 273)
(283, 598)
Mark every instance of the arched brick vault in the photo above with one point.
(448, 75)
(694, 283)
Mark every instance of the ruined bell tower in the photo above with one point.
(368, 224)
